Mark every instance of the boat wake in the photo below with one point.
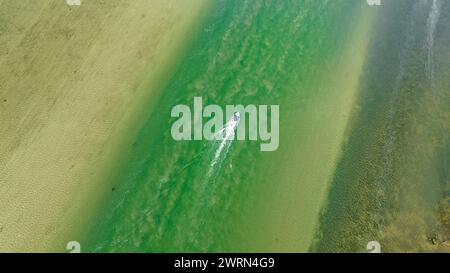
(432, 21)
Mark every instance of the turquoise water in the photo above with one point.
(247, 52)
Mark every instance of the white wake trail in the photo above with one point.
(432, 21)
(226, 137)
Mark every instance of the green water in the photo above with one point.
(364, 135)
(246, 52)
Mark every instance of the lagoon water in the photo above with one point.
(313, 58)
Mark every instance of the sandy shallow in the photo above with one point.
(72, 81)
(292, 205)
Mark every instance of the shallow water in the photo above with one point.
(264, 52)
(392, 183)
(305, 56)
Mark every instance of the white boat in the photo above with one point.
(226, 137)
